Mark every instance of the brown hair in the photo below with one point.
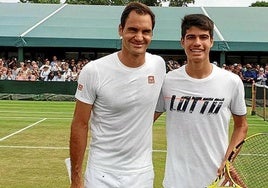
(139, 8)
(198, 20)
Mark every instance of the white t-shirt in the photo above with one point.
(124, 101)
(198, 113)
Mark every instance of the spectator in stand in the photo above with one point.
(23, 69)
(47, 64)
(79, 66)
(34, 65)
(44, 73)
(59, 77)
(57, 67)
(262, 77)
(266, 69)
(223, 66)
(170, 65)
(10, 76)
(35, 70)
(36, 74)
(79, 63)
(3, 67)
(15, 71)
(72, 64)
(250, 74)
(67, 72)
(51, 76)
(237, 69)
(31, 76)
(28, 64)
(12, 63)
(54, 61)
(20, 76)
(74, 74)
(2, 75)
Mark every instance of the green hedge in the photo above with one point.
(37, 87)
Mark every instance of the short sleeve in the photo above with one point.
(87, 84)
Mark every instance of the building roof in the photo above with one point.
(95, 26)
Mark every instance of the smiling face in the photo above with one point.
(197, 44)
(136, 34)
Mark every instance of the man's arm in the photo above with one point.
(78, 141)
(239, 133)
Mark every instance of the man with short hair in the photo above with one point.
(199, 99)
(118, 93)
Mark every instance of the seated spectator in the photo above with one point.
(20, 76)
(172, 65)
(74, 74)
(31, 76)
(46, 64)
(44, 73)
(59, 77)
(54, 61)
(50, 76)
(72, 64)
(57, 66)
(67, 72)
(250, 74)
(238, 69)
(36, 75)
(3, 67)
(2, 75)
(262, 77)
(10, 76)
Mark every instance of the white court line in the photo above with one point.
(22, 129)
(159, 151)
(31, 117)
(57, 148)
(36, 147)
(31, 112)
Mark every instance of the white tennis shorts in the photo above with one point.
(96, 178)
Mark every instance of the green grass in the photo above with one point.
(35, 156)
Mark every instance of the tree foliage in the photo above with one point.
(111, 2)
(174, 3)
(260, 4)
(41, 1)
(180, 3)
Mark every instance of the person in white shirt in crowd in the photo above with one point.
(45, 64)
(261, 77)
(59, 76)
(44, 73)
(53, 61)
(67, 72)
(74, 74)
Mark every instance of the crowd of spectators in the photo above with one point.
(69, 69)
(42, 70)
(249, 73)
(171, 64)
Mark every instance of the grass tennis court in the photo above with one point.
(34, 140)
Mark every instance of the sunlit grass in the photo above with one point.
(35, 156)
